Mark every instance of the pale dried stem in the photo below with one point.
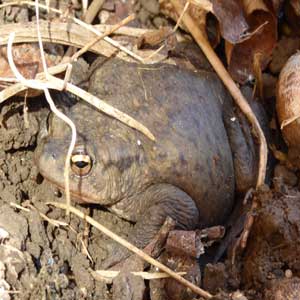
(242, 103)
(83, 24)
(39, 85)
(289, 121)
(129, 31)
(108, 276)
(58, 113)
(25, 111)
(135, 250)
(187, 4)
(107, 109)
(74, 35)
(19, 87)
(8, 79)
(109, 40)
(56, 83)
(71, 146)
(15, 205)
(100, 37)
(84, 6)
(40, 42)
(93, 10)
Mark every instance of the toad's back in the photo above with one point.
(184, 111)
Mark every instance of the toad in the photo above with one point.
(190, 172)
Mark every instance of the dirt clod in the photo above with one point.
(274, 241)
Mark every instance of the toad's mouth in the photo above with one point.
(76, 196)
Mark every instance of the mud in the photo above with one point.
(40, 260)
(274, 244)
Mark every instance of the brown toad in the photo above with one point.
(188, 173)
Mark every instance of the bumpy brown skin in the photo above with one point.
(187, 173)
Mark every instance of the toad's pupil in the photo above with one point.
(81, 164)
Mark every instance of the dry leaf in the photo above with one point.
(275, 5)
(288, 101)
(229, 14)
(155, 38)
(292, 15)
(258, 88)
(231, 19)
(283, 50)
(196, 11)
(240, 57)
(27, 59)
(295, 4)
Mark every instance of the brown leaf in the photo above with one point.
(27, 60)
(292, 15)
(258, 88)
(196, 11)
(274, 5)
(155, 38)
(240, 57)
(295, 4)
(229, 14)
(231, 19)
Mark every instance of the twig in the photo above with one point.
(40, 42)
(51, 103)
(128, 31)
(15, 205)
(39, 85)
(84, 6)
(81, 23)
(108, 276)
(19, 87)
(58, 84)
(25, 111)
(289, 121)
(71, 145)
(100, 37)
(242, 103)
(187, 4)
(104, 107)
(91, 44)
(93, 10)
(134, 249)
(28, 207)
(53, 222)
(74, 35)
(8, 79)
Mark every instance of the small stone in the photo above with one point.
(284, 49)
(215, 277)
(151, 6)
(288, 177)
(103, 16)
(3, 235)
(288, 273)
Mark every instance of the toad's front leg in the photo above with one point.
(152, 207)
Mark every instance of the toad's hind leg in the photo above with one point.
(242, 148)
(156, 204)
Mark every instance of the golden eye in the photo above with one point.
(81, 162)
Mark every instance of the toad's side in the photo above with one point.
(186, 173)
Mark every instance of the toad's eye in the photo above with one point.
(81, 162)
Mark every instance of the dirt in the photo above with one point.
(39, 259)
(273, 249)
